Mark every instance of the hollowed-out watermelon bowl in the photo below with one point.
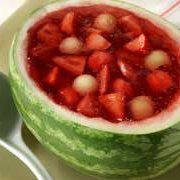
(97, 83)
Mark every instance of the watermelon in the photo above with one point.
(124, 150)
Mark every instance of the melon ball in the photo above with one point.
(85, 84)
(156, 59)
(71, 45)
(141, 107)
(105, 22)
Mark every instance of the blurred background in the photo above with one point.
(8, 7)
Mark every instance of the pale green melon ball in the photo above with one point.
(85, 84)
(141, 107)
(71, 45)
(156, 59)
(105, 22)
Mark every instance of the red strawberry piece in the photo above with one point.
(52, 76)
(42, 52)
(123, 87)
(34, 71)
(97, 42)
(99, 58)
(130, 57)
(131, 26)
(92, 30)
(67, 24)
(159, 81)
(50, 34)
(72, 64)
(104, 77)
(89, 106)
(178, 57)
(127, 70)
(69, 96)
(138, 45)
(114, 104)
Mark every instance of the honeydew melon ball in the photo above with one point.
(71, 45)
(156, 59)
(141, 107)
(85, 84)
(105, 22)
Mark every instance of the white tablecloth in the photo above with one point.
(8, 7)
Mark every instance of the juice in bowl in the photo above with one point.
(97, 83)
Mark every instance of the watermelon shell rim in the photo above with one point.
(162, 121)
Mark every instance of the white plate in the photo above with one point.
(10, 168)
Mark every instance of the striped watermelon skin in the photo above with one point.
(91, 151)
(97, 153)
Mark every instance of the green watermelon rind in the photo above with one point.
(95, 152)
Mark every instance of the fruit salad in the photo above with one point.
(103, 61)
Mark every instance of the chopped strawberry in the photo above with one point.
(127, 70)
(114, 104)
(49, 37)
(50, 34)
(41, 51)
(89, 106)
(33, 70)
(52, 76)
(178, 57)
(131, 26)
(92, 30)
(138, 45)
(67, 24)
(159, 81)
(130, 57)
(69, 96)
(123, 87)
(104, 77)
(99, 58)
(97, 42)
(73, 64)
